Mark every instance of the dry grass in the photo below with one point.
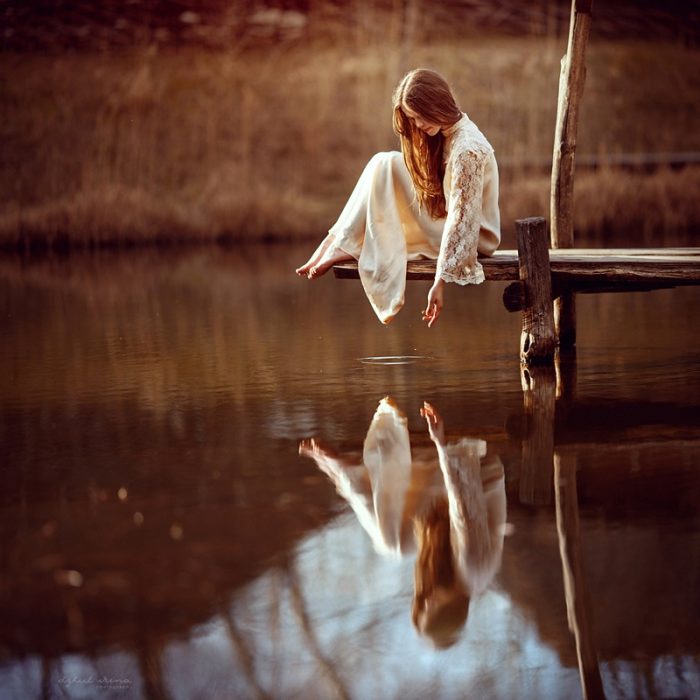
(143, 145)
(627, 208)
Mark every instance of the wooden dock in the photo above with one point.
(539, 275)
(580, 270)
(579, 266)
(547, 271)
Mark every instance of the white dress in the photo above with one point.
(382, 225)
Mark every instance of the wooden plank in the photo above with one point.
(514, 295)
(645, 252)
(642, 260)
(674, 265)
(626, 270)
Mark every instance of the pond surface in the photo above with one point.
(163, 537)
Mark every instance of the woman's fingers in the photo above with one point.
(431, 313)
(436, 313)
(428, 412)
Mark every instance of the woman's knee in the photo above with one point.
(388, 162)
(386, 158)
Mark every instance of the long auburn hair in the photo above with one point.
(426, 93)
(435, 569)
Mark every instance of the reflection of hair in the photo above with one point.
(426, 93)
(440, 605)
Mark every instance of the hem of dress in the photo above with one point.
(336, 244)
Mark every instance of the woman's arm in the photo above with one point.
(457, 261)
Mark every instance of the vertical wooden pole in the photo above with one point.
(571, 81)
(578, 603)
(537, 340)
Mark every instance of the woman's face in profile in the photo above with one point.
(428, 127)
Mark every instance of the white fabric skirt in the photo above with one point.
(382, 227)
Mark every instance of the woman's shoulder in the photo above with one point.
(467, 140)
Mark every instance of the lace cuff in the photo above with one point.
(473, 275)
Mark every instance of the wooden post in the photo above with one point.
(578, 603)
(537, 340)
(571, 81)
(537, 451)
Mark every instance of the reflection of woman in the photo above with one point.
(452, 509)
(436, 199)
(460, 538)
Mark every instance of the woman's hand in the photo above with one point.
(434, 307)
(436, 428)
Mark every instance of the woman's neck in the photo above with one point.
(449, 130)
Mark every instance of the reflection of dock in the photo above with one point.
(550, 455)
(224, 548)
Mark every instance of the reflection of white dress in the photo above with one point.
(382, 225)
(403, 482)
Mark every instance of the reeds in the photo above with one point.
(147, 145)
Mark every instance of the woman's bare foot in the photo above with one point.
(313, 448)
(303, 271)
(327, 263)
(326, 458)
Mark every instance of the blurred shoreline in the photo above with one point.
(153, 144)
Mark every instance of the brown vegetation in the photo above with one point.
(145, 145)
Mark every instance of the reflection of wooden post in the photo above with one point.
(151, 668)
(538, 445)
(537, 340)
(578, 604)
(567, 373)
(239, 643)
(571, 80)
(313, 644)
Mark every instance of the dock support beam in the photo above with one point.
(571, 81)
(538, 339)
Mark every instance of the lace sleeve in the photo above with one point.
(460, 464)
(457, 259)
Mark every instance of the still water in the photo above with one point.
(217, 482)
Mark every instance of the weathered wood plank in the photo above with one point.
(618, 265)
(621, 270)
(514, 295)
(605, 252)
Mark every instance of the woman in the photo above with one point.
(436, 199)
